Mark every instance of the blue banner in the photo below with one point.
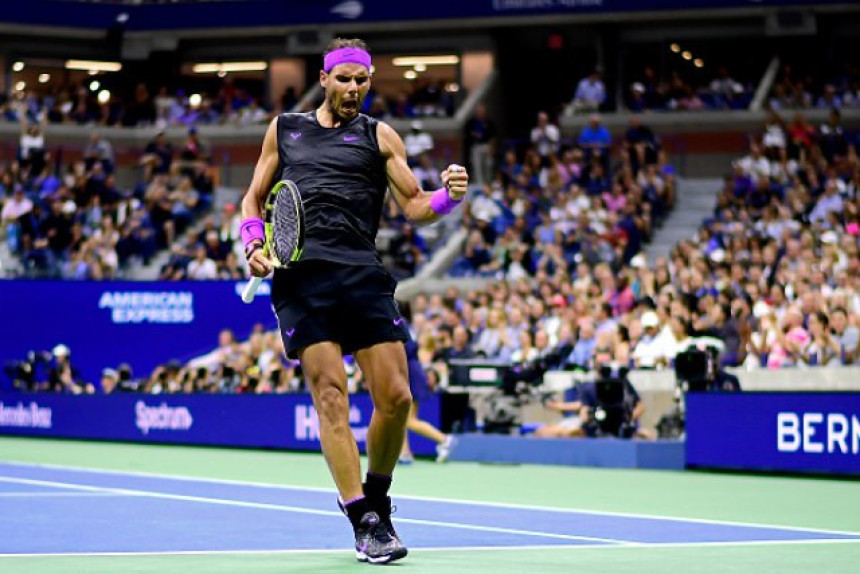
(107, 323)
(253, 421)
(251, 13)
(795, 432)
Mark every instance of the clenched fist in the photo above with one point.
(259, 264)
(456, 180)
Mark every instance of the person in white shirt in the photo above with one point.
(202, 267)
(755, 164)
(656, 346)
(831, 201)
(590, 93)
(545, 136)
(417, 141)
(18, 205)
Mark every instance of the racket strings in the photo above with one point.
(285, 235)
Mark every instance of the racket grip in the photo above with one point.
(251, 289)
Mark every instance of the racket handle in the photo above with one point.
(251, 289)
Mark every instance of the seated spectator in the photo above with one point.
(202, 267)
(14, 209)
(426, 173)
(584, 348)
(99, 150)
(590, 93)
(417, 142)
(157, 157)
(594, 138)
(459, 347)
(409, 251)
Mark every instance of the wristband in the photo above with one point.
(252, 229)
(441, 203)
(252, 247)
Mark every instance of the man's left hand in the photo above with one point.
(456, 179)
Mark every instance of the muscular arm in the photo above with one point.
(267, 164)
(252, 202)
(414, 201)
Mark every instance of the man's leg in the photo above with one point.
(384, 365)
(422, 427)
(322, 364)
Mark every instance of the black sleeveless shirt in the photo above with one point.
(341, 176)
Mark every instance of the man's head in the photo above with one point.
(109, 379)
(543, 119)
(345, 76)
(461, 337)
(839, 320)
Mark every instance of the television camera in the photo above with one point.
(611, 409)
(24, 374)
(696, 370)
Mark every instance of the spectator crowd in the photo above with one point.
(82, 224)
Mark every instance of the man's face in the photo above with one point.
(838, 321)
(345, 87)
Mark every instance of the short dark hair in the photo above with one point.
(338, 43)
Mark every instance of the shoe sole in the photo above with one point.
(397, 555)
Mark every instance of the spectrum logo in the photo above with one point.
(162, 417)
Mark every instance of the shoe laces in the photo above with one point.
(381, 532)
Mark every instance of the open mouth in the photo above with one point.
(349, 105)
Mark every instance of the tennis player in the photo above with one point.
(339, 299)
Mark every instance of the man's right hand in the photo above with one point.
(259, 264)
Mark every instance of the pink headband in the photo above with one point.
(346, 56)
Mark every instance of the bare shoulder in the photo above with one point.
(389, 139)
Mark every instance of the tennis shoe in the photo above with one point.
(383, 508)
(443, 450)
(375, 542)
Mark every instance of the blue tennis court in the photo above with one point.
(53, 510)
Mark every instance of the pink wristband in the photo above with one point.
(252, 229)
(441, 203)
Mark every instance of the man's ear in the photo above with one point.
(323, 78)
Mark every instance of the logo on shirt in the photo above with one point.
(295, 135)
(399, 321)
(289, 332)
(351, 138)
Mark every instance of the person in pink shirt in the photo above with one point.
(791, 339)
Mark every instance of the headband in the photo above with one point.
(346, 56)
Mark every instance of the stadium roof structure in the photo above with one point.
(186, 16)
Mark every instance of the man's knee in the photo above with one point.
(397, 401)
(332, 399)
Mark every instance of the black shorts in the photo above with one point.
(351, 305)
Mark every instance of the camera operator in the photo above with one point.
(699, 367)
(26, 375)
(610, 404)
(167, 378)
(571, 425)
(63, 377)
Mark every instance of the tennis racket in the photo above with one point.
(284, 219)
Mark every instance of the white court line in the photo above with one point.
(43, 494)
(297, 509)
(811, 541)
(515, 506)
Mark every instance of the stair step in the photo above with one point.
(696, 199)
